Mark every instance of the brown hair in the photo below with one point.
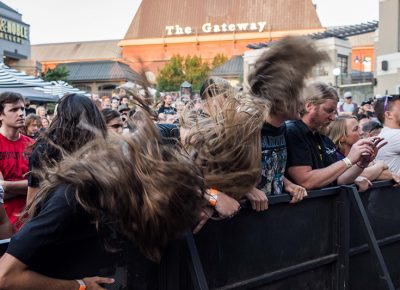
(379, 106)
(318, 92)
(227, 145)
(32, 118)
(150, 193)
(279, 74)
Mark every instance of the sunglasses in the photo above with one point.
(387, 98)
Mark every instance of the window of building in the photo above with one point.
(342, 62)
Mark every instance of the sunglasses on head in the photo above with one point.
(387, 98)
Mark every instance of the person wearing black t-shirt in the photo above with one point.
(166, 108)
(312, 159)
(103, 197)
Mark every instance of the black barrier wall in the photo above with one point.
(334, 239)
(321, 243)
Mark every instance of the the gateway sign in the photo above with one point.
(216, 28)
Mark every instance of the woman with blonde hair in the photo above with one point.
(344, 132)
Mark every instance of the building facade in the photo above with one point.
(388, 48)
(210, 27)
(15, 47)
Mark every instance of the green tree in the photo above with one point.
(196, 71)
(59, 73)
(171, 76)
(192, 69)
(218, 60)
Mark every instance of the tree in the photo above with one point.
(218, 60)
(171, 76)
(192, 69)
(59, 73)
(196, 71)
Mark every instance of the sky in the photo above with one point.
(53, 21)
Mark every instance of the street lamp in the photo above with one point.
(336, 72)
(362, 63)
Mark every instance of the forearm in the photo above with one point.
(32, 191)
(372, 172)
(15, 188)
(349, 175)
(318, 178)
(385, 175)
(25, 279)
(6, 229)
(29, 280)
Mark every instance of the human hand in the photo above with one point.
(296, 191)
(258, 199)
(93, 283)
(378, 143)
(363, 147)
(396, 179)
(226, 206)
(205, 214)
(362, 183)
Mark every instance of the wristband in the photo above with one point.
(82, 285)
(347, 161)
(213, 197)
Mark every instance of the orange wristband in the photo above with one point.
(213, 197)
(82, 285)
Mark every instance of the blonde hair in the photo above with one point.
(337, 129)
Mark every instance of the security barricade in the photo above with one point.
(336, 238)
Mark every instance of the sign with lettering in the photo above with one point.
(13, 31)
(217, 28)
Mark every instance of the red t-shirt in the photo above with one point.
(14, 167)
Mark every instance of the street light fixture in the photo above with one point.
(336, 72)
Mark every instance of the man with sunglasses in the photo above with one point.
(387, 110)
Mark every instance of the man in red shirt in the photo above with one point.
(13, 158)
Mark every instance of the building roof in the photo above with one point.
(154, 15)
(234, 66)
(6, 7)
(100, 71)
(88, 50)
(346, 31)
(342, 32)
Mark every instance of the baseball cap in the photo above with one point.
(347, 95)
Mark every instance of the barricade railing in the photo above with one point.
(336, 238)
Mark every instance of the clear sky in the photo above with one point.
(83, 20)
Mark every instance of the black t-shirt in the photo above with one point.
(167, 110)
(306, 148)
(62, 241)
(42, 148)
(273, 159)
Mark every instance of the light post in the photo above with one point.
(336, 72)
(362, 61)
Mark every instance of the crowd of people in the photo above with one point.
(100, 175)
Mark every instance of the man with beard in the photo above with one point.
(312, 161)
(13, 157)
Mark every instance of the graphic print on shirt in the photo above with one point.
(273, 162)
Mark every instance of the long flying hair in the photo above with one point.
(133, 185)
(279, 74)
(226, 145)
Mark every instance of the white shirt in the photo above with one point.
(390, 153)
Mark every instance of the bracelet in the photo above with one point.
(348, 163)
(213, 197)
(82, 285)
